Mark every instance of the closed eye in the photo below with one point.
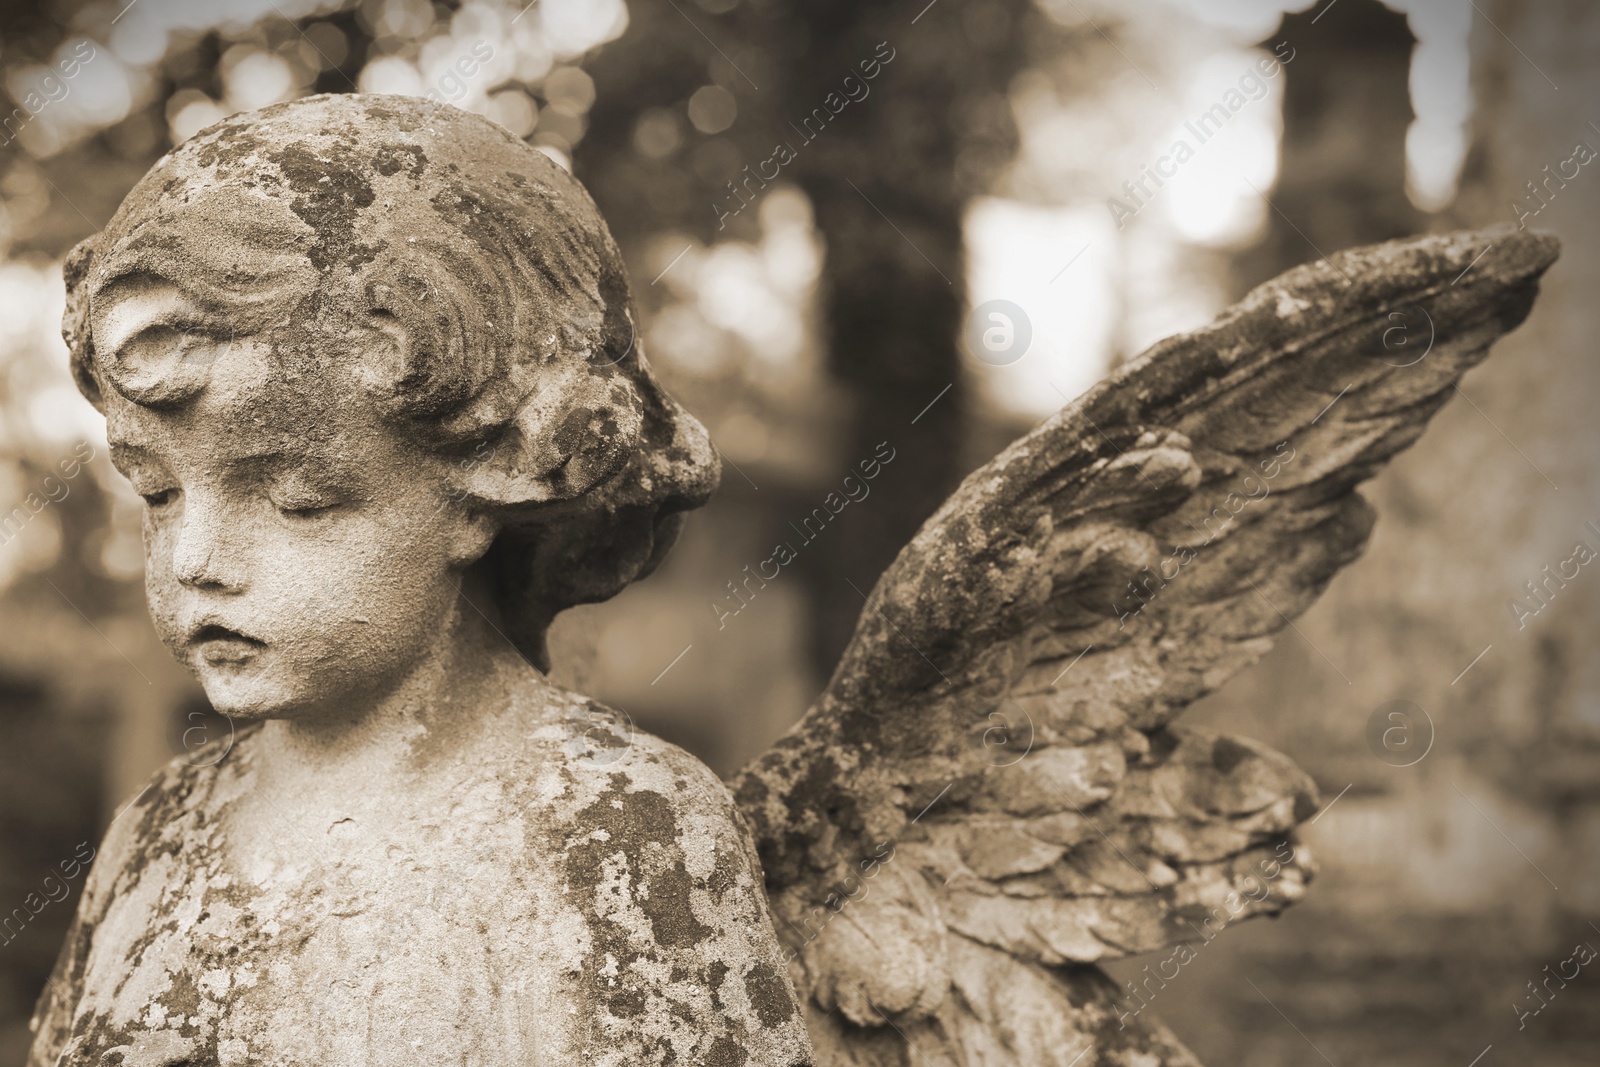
(158, 499)
(301, 494)
(305, 511)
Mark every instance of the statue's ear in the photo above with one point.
(579, 426)
(469, 533)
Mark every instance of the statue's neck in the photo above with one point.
(470, 679)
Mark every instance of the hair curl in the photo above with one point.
(487, 266)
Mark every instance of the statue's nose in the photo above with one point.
(200, 551)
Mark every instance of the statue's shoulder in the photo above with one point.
(662, 880)
(153, 843)
(186, 790)
(604, 786)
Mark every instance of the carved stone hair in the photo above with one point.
(506, 327)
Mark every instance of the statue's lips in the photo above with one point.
(218, 644)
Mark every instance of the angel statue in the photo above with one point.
(372, 363)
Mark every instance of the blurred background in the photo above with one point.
(813, 199)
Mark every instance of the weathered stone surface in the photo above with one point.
(370, 362)
(551, 890)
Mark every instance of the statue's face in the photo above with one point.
(300, 556)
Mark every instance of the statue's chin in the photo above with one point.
(249, 690)
(250, 707)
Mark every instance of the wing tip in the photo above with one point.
(1501, 254)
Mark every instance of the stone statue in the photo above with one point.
(372, 364)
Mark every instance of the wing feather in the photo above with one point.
(1002, 716)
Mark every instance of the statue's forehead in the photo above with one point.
(250, 367)
(247, 409)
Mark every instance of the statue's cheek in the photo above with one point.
(161, 588)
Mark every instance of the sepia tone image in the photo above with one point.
(747, 533)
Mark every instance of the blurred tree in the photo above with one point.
(1346, 108)
(890, 117)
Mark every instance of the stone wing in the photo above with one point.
(988, 798)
